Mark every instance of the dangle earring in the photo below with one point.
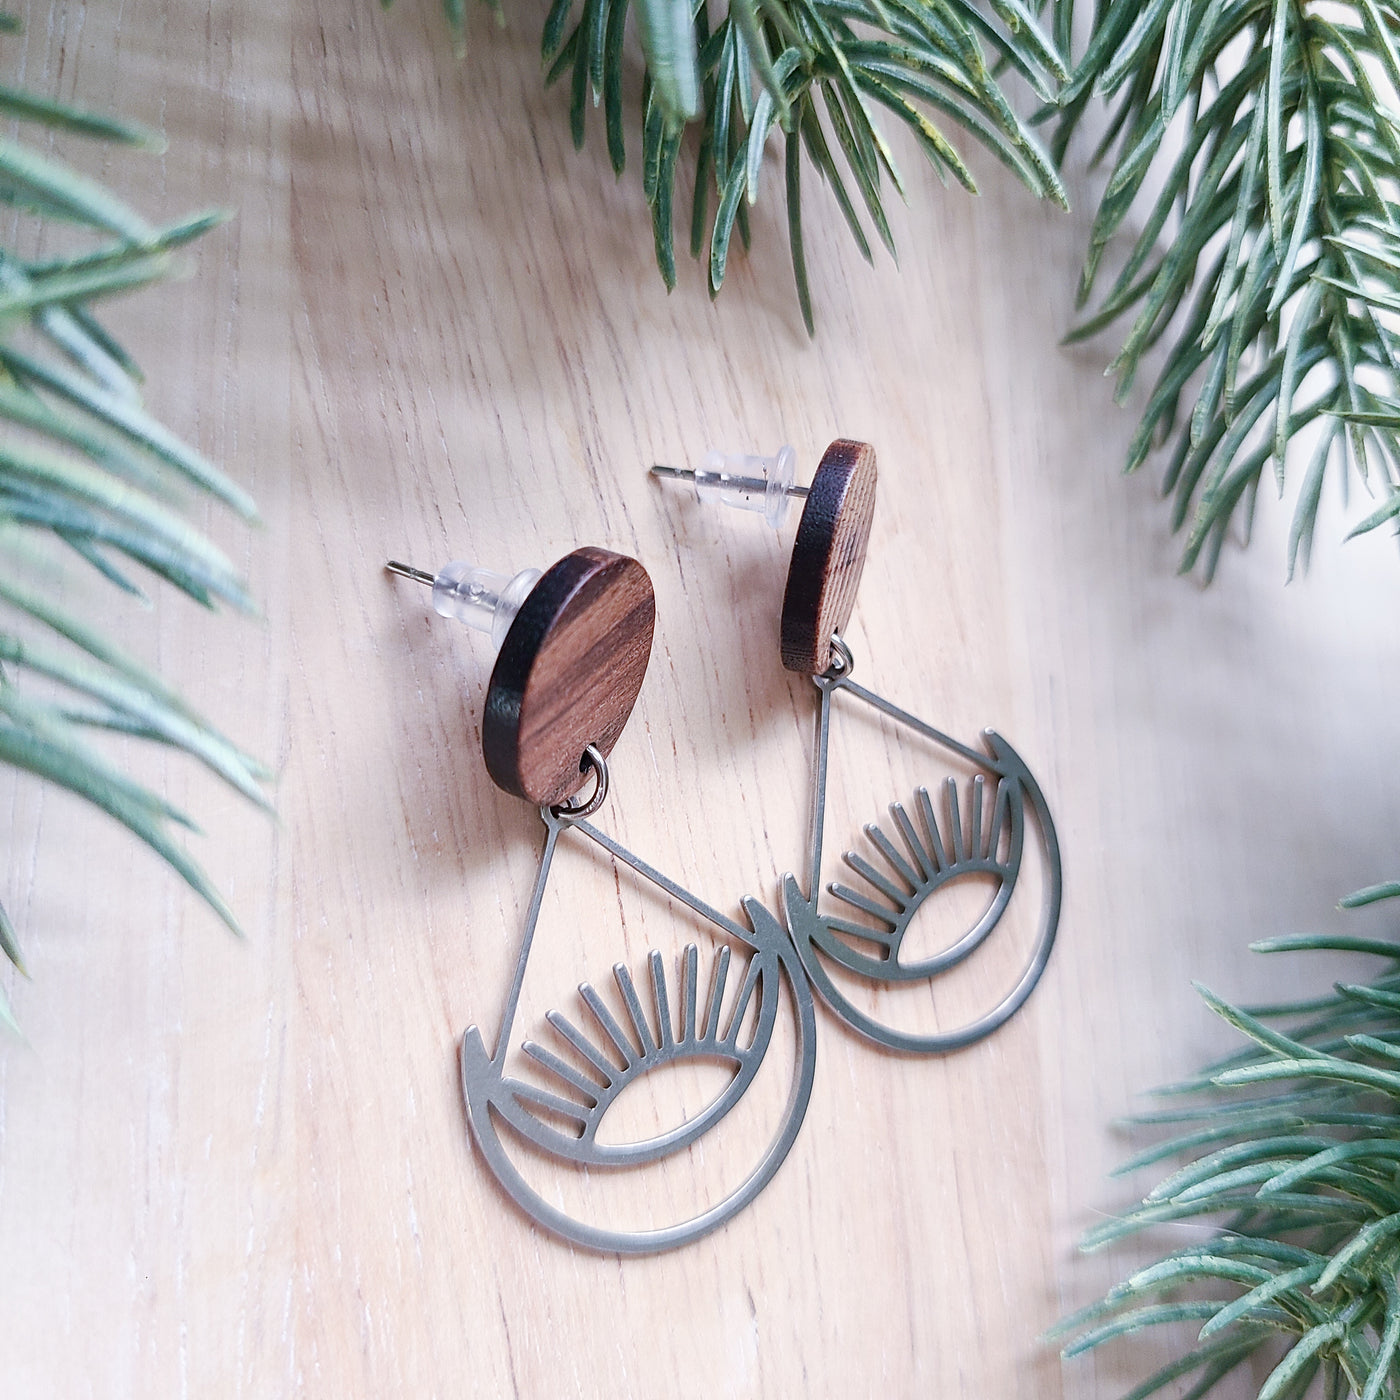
(986, 837)
(573, 645)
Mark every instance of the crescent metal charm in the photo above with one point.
(593, 1070)
(986, 838)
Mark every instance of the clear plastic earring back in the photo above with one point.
(746, 481)
(485, 600)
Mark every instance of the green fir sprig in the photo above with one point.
(87, 474)
(1289, 1156)
(1259, 142)
(1252, 148)
(821, 73)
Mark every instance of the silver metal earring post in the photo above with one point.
(408, 571)
(745, 481)
(737, 483)
(483, 599)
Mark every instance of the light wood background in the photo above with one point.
(241, 1168)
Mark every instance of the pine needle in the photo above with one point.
(1304, 1190)
(821, 70)
(85, 471)
(1271, 261)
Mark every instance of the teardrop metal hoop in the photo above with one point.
(588, 1079)
(923, 865)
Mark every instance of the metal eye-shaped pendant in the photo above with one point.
(588, 1072)
(574, 644)
(983, 837)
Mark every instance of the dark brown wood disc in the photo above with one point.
(828, 555)
(568, 674)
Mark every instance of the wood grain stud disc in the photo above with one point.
(828, 555)
(568, 673)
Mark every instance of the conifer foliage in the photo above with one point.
(90, 480)
(1251, 162)
(1261, 137)
(1289, 1164)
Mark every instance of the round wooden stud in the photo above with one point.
(568, 673)
(828, 555)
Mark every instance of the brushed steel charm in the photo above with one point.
(683, 1024)
(573, 643)
(920, 855)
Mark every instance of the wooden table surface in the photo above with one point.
(241, 1168)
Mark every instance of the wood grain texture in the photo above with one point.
(568, 673)
(828, 555)
(241, 1168)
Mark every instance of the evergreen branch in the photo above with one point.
(1269, 258)
(1257, 140)
(1309, 1186)
(823, 71)
(86, 470)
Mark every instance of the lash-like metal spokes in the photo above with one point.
(923, 862)
(582, 1097)
(930, 859)
(563, 1121)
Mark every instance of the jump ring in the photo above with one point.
(594, 762)
(842, 661)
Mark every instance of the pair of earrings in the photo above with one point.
(573, 644)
